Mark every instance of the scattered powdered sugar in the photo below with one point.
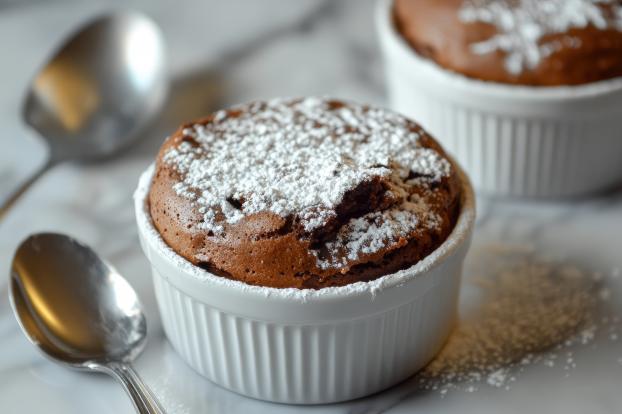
(522, 24)
(301, 157)
(530, 311)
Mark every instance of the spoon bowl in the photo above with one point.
(79, 310)
(100, 88)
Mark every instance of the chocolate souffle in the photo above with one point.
(528, 42)
(303, 193)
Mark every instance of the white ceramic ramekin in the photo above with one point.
(307, 346)
(511, 140)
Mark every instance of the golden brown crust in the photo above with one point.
(433, 28)
(267, 249)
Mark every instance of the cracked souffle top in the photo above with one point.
(303, 193)
(530, 42)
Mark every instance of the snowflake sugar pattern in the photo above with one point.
(522, 24)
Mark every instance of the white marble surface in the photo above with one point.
(222, 53)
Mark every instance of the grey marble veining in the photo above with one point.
(227, 52)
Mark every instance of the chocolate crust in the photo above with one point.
(268, 249)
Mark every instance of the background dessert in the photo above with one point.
(511, 92)
(304, 193)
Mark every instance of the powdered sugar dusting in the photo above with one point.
(377, 230)
(300, 157)
(522, 24)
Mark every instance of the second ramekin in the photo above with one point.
(512, 140)
(307, 346)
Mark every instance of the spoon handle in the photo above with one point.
(6, 204)
(143, 398)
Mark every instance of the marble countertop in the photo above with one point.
(227, 52)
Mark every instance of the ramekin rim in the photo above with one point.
(460, 234)
(388, 32)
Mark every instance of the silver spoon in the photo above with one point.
(79, 311)
(97, 92)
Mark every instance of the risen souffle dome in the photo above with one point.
(303, 193)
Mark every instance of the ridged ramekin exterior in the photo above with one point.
(307, 363)
(512, 140)
(306, 346)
